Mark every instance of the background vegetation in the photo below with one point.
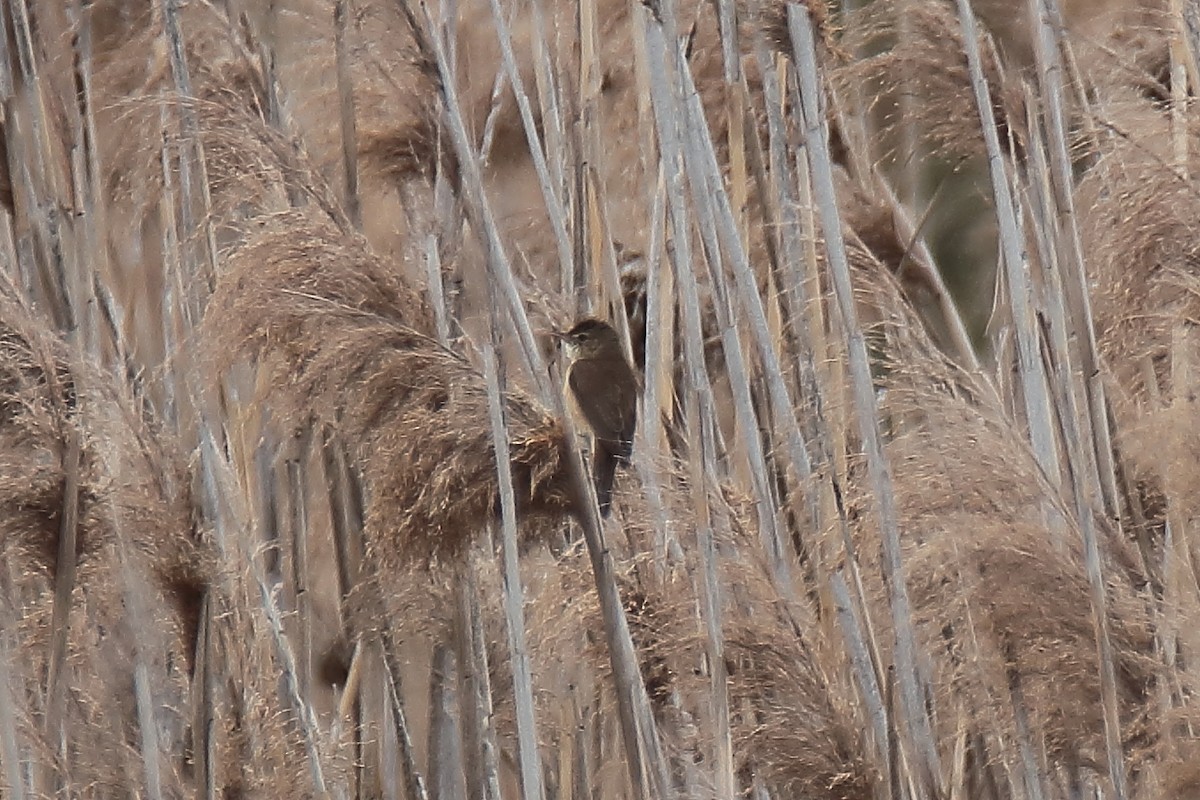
(913, 288)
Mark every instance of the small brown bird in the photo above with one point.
(604, 391)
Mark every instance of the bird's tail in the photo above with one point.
(604, 469)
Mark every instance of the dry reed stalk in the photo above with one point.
(348, 122)
(1050, 60)
(514, 594)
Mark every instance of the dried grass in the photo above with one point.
(914, 50)
(788, 720)
(341, 335)
(340, 328)
(135, 529)
(130, 481)
(1139, 231)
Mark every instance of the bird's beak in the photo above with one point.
(559, 335)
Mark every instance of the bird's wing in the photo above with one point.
(612, 388)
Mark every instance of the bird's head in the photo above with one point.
(592, 338)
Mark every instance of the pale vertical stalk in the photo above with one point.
(136, 621)
(649, 155)
(414, 783)
(387, 747)
(739, 375)
(1191, 32)
(475, 693)
(670, 117)
(1043, 229)
(489, 124)
(42, 180)
(679, 246)
(437, 290)
(711, 604)
(343, 9)
(471, 742)
(658, 366)
(471, 699)
(479, 211)
(1083, 471)
(1035, 778)
(9, 746)
(309, 727)
(662, 335)
(735, 109)
(658, 390)
(1092, 561)
(863, 665)
(717, 225)
(1034, 389)
(593, 233)
(345, 511)
(347, 520)
(548, 91)
(587, 91)
(445, 753)
(222, 502)
(584, 774)
(1179, 87)
(554, 207)
(791, 237)
(64, 587)
(1050, 70)
(823, 497)
(179, 71)
(600, 235)
(514, 593)
(922, 750)
(300, 570)
(643, 752)
(708, 171)
(204, 705)
(91, 256)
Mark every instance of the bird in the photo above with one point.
(603, 391)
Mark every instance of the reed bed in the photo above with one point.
(290, 503)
